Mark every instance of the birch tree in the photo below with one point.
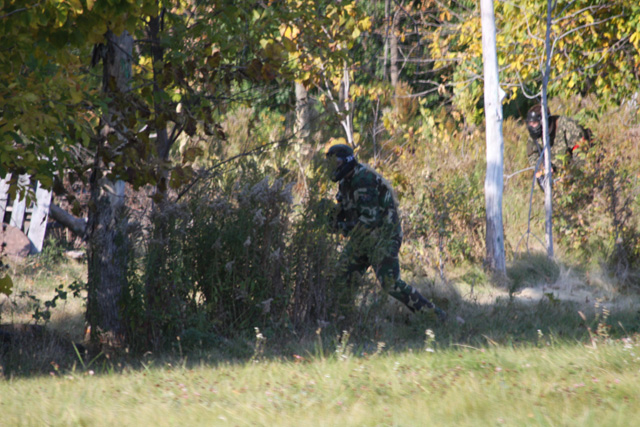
(548, 195)
(493, 185)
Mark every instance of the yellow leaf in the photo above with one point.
(365, 24)
(289, 31)
(349, 9)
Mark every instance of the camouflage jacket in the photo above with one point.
(565, 135)
(366, 200)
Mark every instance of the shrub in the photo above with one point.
(235, 257)
(597, 201)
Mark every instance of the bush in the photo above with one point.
(449, 213)
(228, 260)
(597, 201)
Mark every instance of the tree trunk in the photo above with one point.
(548, 194)
(493, 185)
(158, 292)
(108, 247)
(387, 7)
(303, 113)
(345, 106)
(393, 54)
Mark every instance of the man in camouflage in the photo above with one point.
(367, 214)
(565, 136)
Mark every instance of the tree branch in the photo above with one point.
(77, 225)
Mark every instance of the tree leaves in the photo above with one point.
(589, 38)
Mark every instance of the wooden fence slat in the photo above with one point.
(39, 211)
(39, 216)
(4, 196)
(19, 206)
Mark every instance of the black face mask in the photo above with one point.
(535, 131)
(348, 163)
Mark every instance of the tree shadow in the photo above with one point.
(503, 319)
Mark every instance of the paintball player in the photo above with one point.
(367, 214)
(565, 136)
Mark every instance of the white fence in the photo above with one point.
(32, 220)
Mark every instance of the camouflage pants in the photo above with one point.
(382, 255)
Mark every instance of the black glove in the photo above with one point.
(345, 227)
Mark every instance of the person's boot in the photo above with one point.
(442, 315)
(420, 303)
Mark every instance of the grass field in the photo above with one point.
(563, 353)
(549, 384)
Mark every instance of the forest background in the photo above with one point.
(191, 136)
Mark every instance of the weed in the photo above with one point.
(429, 341)
(259, 346)
(52, 253)
(344, 350)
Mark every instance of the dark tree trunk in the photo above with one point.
(108, 246)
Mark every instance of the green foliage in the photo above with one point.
(45, 89)
(241, 278)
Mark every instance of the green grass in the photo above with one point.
(551, 384)
(512, 362)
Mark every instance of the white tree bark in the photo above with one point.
(548, 194)
(394, 72)
(303, 112)
(342, 105)
(493, 184)
(347, 115)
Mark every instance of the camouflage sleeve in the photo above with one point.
(366, 197)
(568, 134)
(532, 152)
